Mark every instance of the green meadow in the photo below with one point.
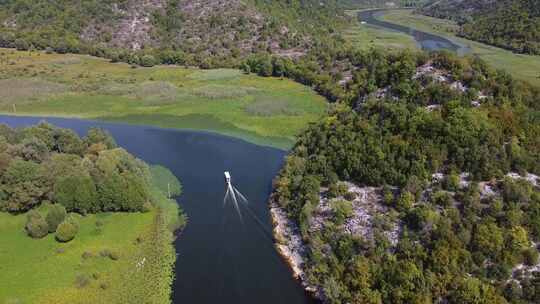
(523, 67)
(268, 111)
(366, 36)
(114, 258)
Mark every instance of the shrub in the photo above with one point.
(57, 214)
(82, 281)
(148, 61)
(106, 253)
(442, 198)
(342, 210)
(405, 201)
(531, 256)
(350, 196)
(67, 230)
(451, 182)
(36, 226)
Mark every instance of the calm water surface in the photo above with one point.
(426, 41)
(221, 259)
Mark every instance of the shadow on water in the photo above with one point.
(220, 258)
(427, 41)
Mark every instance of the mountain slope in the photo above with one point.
(509, 24)
(458, 10)
(196, 30)
(414, 196)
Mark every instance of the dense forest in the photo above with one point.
(206, 33)
(411, 118)
(460, 11)
(509, 24)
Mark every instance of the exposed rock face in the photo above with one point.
(132, 28)
(206, 27)
(366, 206)
(290, 245)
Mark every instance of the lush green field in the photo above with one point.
(46, 271)
(269, 111)
(522, 67)
(366, 36)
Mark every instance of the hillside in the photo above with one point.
(458, 10)
(509, 24)
(191, 32)
(425, 191)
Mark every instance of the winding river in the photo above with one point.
(221, 259)
(426, 41)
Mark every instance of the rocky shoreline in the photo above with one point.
(291, 247)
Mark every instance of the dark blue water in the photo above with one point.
(427, 41)
(220, 258)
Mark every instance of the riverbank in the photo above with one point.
(366, 36)
(266, 111)
(291, 247)
(523, 67)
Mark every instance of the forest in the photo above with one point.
(456, 243)
(508, 24)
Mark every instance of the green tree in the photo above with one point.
(518, 239)
(77, 193)
(342, 210)
(67, 230)
(36, 226)
(406, 201)
(97, 135)
(148, 61)
(489, 239)
(56, 215)
(24, 185)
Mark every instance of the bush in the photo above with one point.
(350, 196)
(82, 281)
(405, 201)
(442, 198)
(148, 61)
(106, 253)
(36, 226)
(67, 230)
(530, 256)
(57, 214)
(342, 210)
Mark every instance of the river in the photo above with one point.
(426, 41)
(221, 259)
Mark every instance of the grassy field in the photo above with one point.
(268, 111)
(522, 67)
(366, 36)
(46, 271)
